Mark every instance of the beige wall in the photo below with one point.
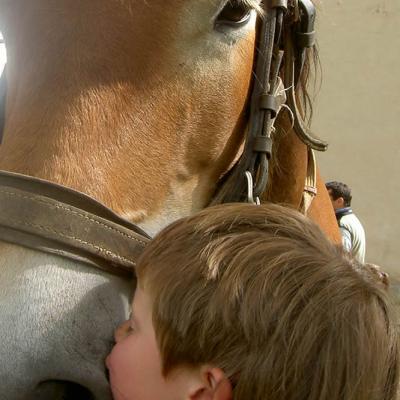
(358, 111)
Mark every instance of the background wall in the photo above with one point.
(358, 111)
(2, 54)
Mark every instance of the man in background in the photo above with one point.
(353, 235)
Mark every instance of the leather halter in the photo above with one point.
(48, 217)
(287, 30)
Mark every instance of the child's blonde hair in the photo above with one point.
(260, 292)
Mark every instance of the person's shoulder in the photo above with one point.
(346, 220)
(351, 223)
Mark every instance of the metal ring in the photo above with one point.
(250, 190)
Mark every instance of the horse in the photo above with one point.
(142, 106)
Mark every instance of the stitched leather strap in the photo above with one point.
(44, 216)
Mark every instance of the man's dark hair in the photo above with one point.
(339, 189)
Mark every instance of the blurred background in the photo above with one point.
(357, 109)
(2, 54)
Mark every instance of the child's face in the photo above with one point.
(135, 361)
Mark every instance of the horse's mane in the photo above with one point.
(308, 79)
(309, 76)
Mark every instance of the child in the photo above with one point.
(254, 302)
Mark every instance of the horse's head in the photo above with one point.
(140, 104)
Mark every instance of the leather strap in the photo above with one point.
(264, 106)
(310, 187)
(294, 60)
(48, 217)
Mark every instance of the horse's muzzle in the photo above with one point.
(61, 390)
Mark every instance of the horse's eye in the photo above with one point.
(235, 14)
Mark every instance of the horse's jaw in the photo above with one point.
(183, 199)
(152, 225)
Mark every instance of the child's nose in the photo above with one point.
(121, 332)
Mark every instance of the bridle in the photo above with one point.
(51, 218)
(287, 30)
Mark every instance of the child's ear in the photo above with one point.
(214, 385)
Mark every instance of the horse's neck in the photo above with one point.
(288, 169)
(287, 182)
(321, 211)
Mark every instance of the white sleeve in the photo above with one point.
(346, 238)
